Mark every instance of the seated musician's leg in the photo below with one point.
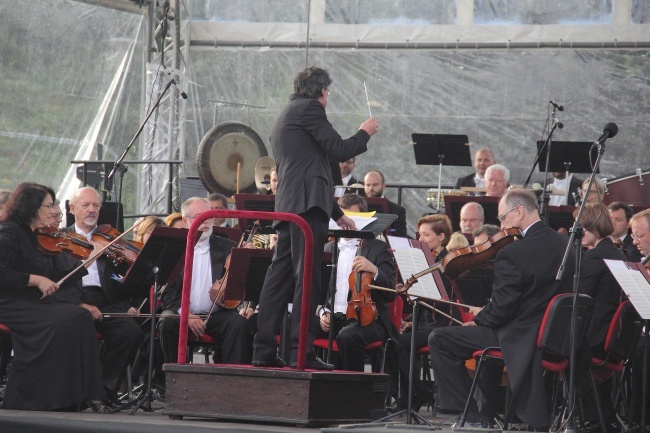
(232, 332)
(168, 328)
(351, 341)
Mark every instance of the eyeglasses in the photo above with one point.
(639, 237)
(218, 208)
(502, 217)
(49, 206)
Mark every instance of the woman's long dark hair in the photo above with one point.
(24, 202)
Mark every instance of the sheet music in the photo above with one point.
(411, 261)
(398, 243)
(634, 284)
(360, 222)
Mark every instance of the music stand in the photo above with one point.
(160, 260)
(439, 149)
(245, 280)
(256, 202)
(371, 231)
(573, 156)
(232, 233)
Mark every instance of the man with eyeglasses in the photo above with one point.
(347, 178)
(218, 202)
(640, 225)
(524, 283)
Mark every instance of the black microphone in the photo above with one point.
(609, 131)
(558, 106)
(183, 94)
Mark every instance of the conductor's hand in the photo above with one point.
(346, 223)
(370, 126)
(196, 325)
(325, 322)
(94, 311)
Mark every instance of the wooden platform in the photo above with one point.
(277, 395)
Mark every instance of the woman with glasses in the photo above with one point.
(56, 359)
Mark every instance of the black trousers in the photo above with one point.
(226, 327)
(284, 276)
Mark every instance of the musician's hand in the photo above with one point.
(405, 326)
(370, 126)
(470, 323)
(248, 245)
(94, 311)
(346, 223)
(247, 312)
(45, 285)
(475, 310)
(325, 322)
(133, 311)
(196, 325)
(361, 264)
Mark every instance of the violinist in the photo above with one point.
(524, 283)
(225, 326)
(375, 258)
(97, 292)
(56, 216)
(56, 361)
(484, 232)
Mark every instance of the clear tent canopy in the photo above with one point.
(78, 78)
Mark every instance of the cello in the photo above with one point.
(217, 291)
(361, 306)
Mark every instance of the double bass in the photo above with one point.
(361, 306)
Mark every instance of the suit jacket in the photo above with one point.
(304, 142)
(597, 281)
(219, 250)
(465, 181)
(378, 253)
(631, 251)
(524, 283)
(398, 228)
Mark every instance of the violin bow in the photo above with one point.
(422, 304)
(386, 289)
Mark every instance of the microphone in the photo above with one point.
(558, 106)
(609, 131)
(183, 94)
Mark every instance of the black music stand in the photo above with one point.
(232, 233)
(573, 156)
(160, 260)
(246, 279)
(439, 149)
(371, 231)
(259, 202)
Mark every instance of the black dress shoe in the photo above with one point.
(420, 400)
(314, 364)
(273, 362)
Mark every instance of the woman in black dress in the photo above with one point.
(56, 359)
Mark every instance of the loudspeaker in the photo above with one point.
(108, 214)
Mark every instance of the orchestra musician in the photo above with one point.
(483, 233)
(56, 359)
(524, 283)
(374, 184)
(497, 180)
(302, 139)
(175, 220)
(620, 215)
(596, 193)
(347, 178)
(375, 258)
(483, 158)
(597, 281)
(218, 202)
(97, 292)
(472, 216)
(225, 326)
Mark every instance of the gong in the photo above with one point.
(221, 149)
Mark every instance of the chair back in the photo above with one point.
(554, 336)
(624, 332)
(395, 310)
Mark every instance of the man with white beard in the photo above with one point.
(225, 326)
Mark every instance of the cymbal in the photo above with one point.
(353, 186)
(263, 168)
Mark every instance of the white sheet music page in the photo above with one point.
(634, 284)
(411, 261)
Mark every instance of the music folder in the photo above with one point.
(165, 250)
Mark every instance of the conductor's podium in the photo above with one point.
(277, 395)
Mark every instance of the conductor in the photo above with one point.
(303, 142)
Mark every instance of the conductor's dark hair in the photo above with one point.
(24, 202)
(311, 82)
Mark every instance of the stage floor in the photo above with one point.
(59, 422)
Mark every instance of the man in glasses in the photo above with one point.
(524, 283)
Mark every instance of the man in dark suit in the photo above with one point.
(375, 258)
(304, 142)
(620, 215)
(483, 158)
(374, 184)
(97, 292)
(524, 283)
(226, 327)
(347, 178)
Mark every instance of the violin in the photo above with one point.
(53, 241)
(217, 291)
(123, 252)
(461, 261)
(361, 306)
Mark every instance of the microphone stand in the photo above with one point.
(118, 166)
(575, 242)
